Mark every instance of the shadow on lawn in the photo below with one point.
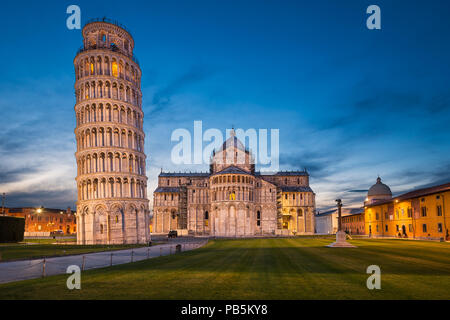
(286, 259)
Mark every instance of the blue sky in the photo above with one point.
(350, 103)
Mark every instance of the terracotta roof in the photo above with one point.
(415, 194)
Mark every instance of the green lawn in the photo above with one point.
(28, 251)
(263, 269)
(52, 241)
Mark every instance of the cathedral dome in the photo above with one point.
(233, 141)
(379, 191)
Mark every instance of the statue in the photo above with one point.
(341, 236)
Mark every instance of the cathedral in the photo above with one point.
(234, 200)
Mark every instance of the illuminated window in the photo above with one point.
(233, 196)
(115, 72)
(92, 68)
(117, 219)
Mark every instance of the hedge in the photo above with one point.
(11, 229)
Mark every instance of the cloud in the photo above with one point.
(37, 143)
(162, 97)
(318, 164)
(12, 175)
(58, 199)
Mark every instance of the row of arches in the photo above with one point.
(111, 162)
(232, 194)
(233, 179)
(106, 39)
(107, 65)
(109, 137)
(113, 224)
(103, 188)
(106, 89)
(99, 113)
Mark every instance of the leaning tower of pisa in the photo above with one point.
(112, 204)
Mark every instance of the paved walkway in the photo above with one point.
(36, 268)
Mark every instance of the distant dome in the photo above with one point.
(379, 190)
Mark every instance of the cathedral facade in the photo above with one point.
(234, 200)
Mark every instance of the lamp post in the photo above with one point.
(3, 203)
(39, 211)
